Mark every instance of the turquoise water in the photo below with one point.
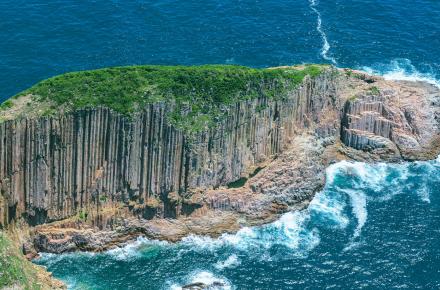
(39, 39)
(373, 226)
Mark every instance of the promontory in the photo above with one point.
(93, 159)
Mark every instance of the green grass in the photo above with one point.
(238, 183)
(199, 95)
(82, 215)
(374, 90)
(6, 104)
(14, 268)
(353, 98)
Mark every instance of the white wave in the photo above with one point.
(423, 193)
(290, 231)
(359, 208)
(231, 262)
(134, 249)
(239, 240)
(325, 44)
(403, 70)
(327, 206)
(375, 177)
(205, 278)
(50, 259)
(295, 234)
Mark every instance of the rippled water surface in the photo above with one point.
(374, 226)
(39, 39)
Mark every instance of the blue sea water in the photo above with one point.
(39, 39)
(372, 226)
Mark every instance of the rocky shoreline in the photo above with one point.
(275, 162)
(400, 123)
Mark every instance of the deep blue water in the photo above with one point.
(373, 226)
(39, 39)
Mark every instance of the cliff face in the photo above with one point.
(90, 179)
(52, 168)
(366, 123)
(397, 121)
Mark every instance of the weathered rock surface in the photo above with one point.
(54, 168)
(108, 179)
(398, 121)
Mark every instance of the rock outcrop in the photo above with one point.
(396, 121)
(54, 168)
(103, 178)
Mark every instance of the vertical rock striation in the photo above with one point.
(367, 123)
(52, 168)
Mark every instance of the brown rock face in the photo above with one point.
(366, 124)
(108, 179)
(397, 121)
(54, 168)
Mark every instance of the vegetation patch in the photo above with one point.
(256, 171)
(82, 215)
(15, 270)
(374, 90)
(6, 104)
(238, 183)
(198, 95)
(353, 98)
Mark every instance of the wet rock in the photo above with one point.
(203, 286)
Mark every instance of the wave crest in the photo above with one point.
(204, 279)
(402, 69)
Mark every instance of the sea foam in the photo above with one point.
(403, 70)
(325, 44)
(231, 262)
(207, 278)
(135, 249)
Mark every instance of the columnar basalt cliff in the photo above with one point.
(52, 168)
(103, 176)
(398, 121)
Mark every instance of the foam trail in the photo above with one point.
(231, 262)
(325, 45)
(424, 194)
(359, 205)
(329, 207)
(402, 70)
(134, 249)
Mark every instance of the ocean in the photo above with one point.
(372, 226)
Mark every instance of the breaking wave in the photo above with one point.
(137, 249)
(204, 279)
(231, 262)
(403, 70)
(343, 203)
(290, 231)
